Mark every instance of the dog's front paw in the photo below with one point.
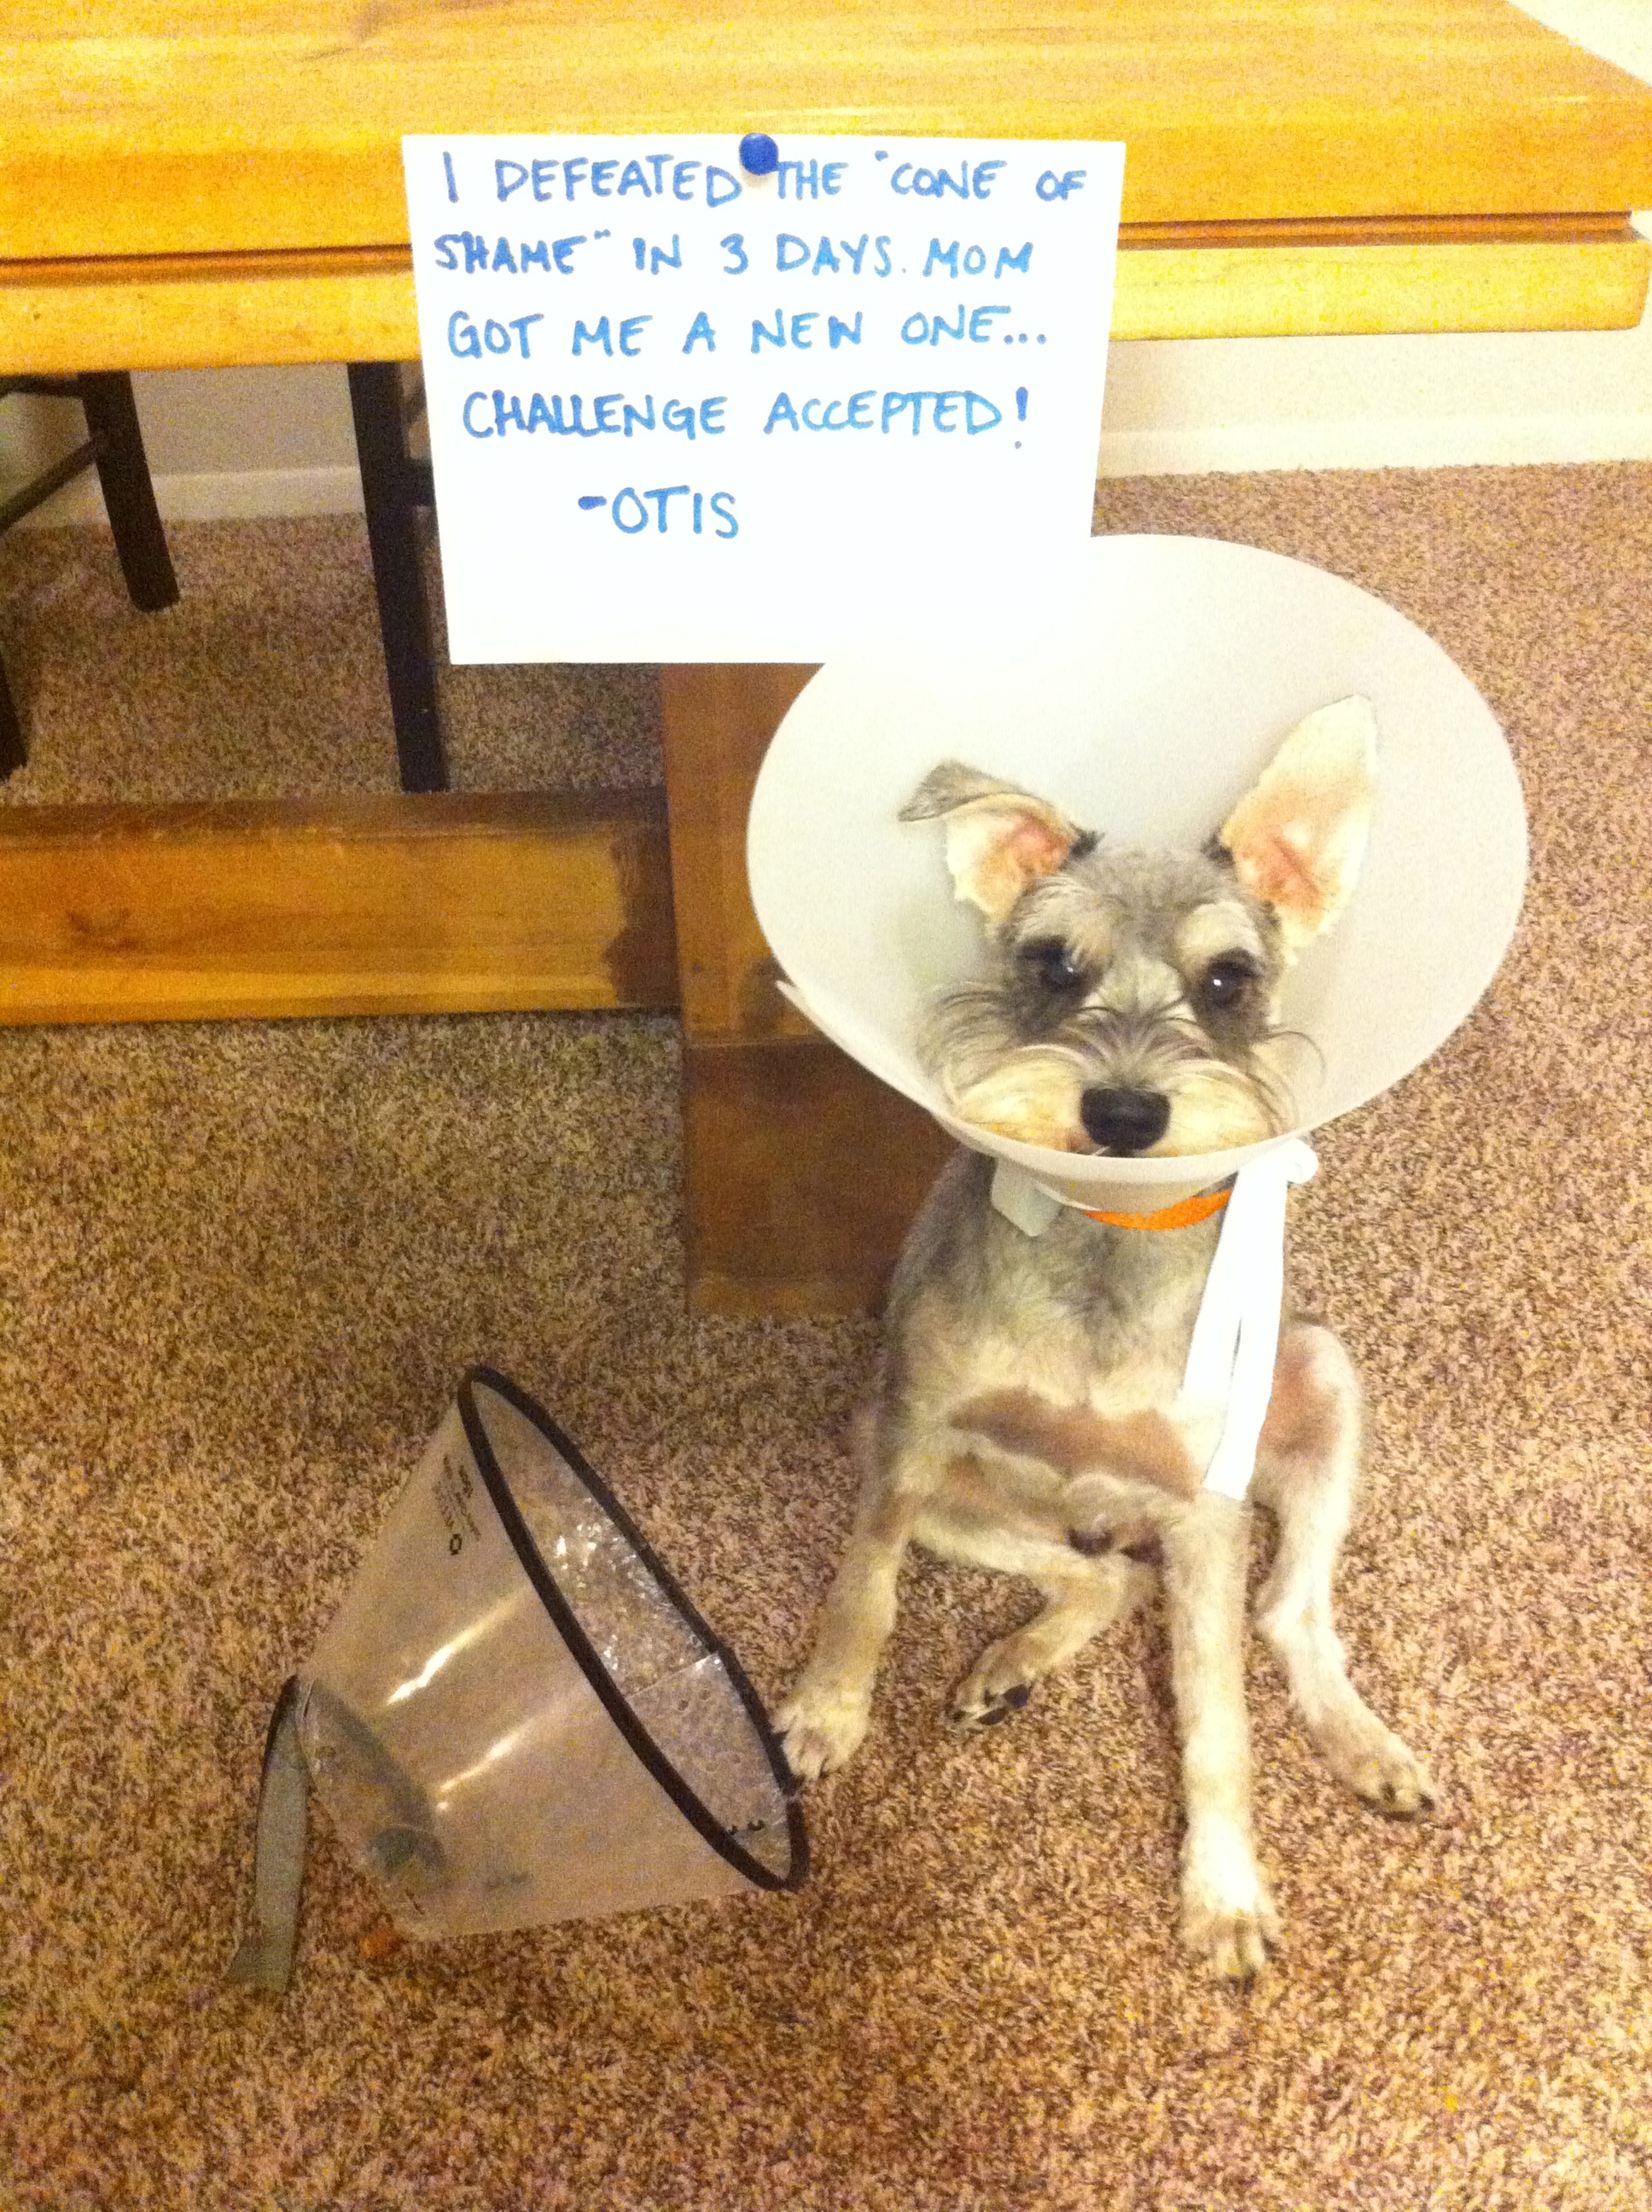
(1227, 1914)
(820, 1727)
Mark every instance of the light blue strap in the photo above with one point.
(265, 1958)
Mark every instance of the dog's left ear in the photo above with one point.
(998, 840)
(1297, 837)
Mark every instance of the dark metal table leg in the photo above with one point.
(13, 752)
(388, 480)
(124, 472)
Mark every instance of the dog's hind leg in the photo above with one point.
(1081, 1598)
(1307, 1461)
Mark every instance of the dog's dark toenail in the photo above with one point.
(1089, 1543)
(1019, 1696)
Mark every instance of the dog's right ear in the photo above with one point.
(998, 840)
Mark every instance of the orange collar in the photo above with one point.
(1182, 1215)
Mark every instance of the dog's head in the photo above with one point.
(1132, 1003)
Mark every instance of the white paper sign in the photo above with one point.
(678, 412)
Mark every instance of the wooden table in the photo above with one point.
(196, 186)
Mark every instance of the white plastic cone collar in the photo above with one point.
(1142, 686)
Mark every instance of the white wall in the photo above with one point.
(1397, 402)
(1372, 403)
(250, 441)
(222, 443)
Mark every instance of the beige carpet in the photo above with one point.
(242, 1268)
(267, 681)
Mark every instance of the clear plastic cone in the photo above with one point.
(516, 1716)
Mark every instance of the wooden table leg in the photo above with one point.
(802, 1170)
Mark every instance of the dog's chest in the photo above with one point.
(1089, 1316)
(1066, 1350)
(1110, 1372)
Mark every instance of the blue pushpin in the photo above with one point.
(759, 155)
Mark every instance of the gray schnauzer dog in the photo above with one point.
(1028, 1416)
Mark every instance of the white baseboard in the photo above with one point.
(1395, 442)
(240, 495)
(222, 495)
(246, 495)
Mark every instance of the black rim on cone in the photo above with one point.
(686, 1799)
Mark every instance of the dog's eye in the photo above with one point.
(1226, 983)
(1051, 964)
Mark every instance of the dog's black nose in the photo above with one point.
(1125, 1121)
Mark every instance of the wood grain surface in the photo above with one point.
(1230, 280)
(130, 128)
(805, 1173)
(445, 903)
(716, 723)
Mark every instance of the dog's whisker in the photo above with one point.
(1298, 1037)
